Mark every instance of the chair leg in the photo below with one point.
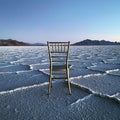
(50, 85)
(68, 82)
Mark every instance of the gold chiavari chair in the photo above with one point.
(59, 67)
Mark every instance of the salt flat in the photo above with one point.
(95, 84)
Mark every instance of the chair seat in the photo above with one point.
(59, 67)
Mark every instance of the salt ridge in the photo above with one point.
(113, 97)
(114, 70)
(24, 88)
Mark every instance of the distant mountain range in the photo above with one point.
(95, 42)
(10, 42)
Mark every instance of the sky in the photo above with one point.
(39, 21)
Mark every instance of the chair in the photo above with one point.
(59, 67)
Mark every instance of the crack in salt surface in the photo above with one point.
(6, 72)
(85, 76)
(80, 100)
(113, 97)
(24, 88)
(114, 70)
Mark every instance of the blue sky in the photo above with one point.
(59, 20)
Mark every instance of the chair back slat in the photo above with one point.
(58, 51)
(58, 47)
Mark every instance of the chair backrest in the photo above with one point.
(58, 51)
